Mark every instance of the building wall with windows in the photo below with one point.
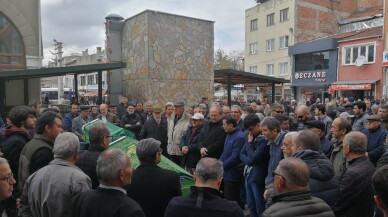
(371, 70)
(20, 48)
(267, 37)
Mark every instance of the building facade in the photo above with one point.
(20, 48)
(272, 26)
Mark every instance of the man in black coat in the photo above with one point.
(205, 199)
(131, 121)
(156, 127)
(323, 182)
(114, 171)
(99, 138)
(211, 141)
(356, 193)
(152, 187)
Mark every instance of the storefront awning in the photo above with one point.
(353, 85)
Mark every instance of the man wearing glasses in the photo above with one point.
(303, 114)
(291, 182)
(276, 108)
(7, 182)
(99, 138)
(152, 187)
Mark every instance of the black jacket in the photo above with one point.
(104, 202)
(323, 183)
(212, 138)
(203, 202)
(135, 121)
(356, 193)
(87, 162)
(190, 140)
(298, 204)
(153, 187)
(151, 129)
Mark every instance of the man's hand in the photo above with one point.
(266, 194)
(203, 152)
(185, 149)
(127, 125)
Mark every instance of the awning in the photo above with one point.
(353, 85)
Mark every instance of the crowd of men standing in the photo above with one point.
(281, 159)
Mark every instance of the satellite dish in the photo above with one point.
(360, 61)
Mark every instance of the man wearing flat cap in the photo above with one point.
(156, 127)
(152, 187)
(376, 138)
(78, 122)
(177, 127)
(318, 127)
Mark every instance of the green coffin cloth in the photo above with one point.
(115, 131)
(125, 140)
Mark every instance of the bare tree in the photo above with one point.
(233, 59)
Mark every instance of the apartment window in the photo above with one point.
(253, 48)
(270, 19)
(284, 15)
(253, 69)
(83, 80)
(271, 44)
(283, 42)
(253, 25)
(91, 79)
(351, 53)
(270, 69)
(283, 69)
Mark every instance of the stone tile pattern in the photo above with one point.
(168, 57)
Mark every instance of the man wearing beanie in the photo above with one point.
(152, 187)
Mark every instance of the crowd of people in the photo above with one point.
(280, 159)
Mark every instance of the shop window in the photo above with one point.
(253, 25)
(270, 19)
(253, 69)
(283, 41)
(312, 61)
(91, 79)
(11, 46)
(283, 69)
(351, 53)
(271, 44)
(253, 48)
(270, 70)
(284, 15)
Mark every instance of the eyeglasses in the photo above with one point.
(277, 174)
(300, 116)
(8, 178)
(108, 136)
(278, 111)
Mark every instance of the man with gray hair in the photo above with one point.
(114, 171)
(356, 192)
(7, 202)
(48, 191)
(99, 138)
(291, 181)
(236, 113)
(152, 187)
(205, 199)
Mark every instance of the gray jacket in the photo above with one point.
(76, 126)
(360, 122)
(48, 191)
(175, 133)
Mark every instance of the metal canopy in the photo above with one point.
(233, 77)
(59, 71)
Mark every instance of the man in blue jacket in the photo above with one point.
(376, 138)
(255, 154)
(230, 158)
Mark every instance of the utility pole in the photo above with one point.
(59, 60)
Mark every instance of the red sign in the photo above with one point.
(351, 86)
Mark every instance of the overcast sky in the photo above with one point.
(79, 24)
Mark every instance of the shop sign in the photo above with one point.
(351, 86)
(385, 58)
(319, 77)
